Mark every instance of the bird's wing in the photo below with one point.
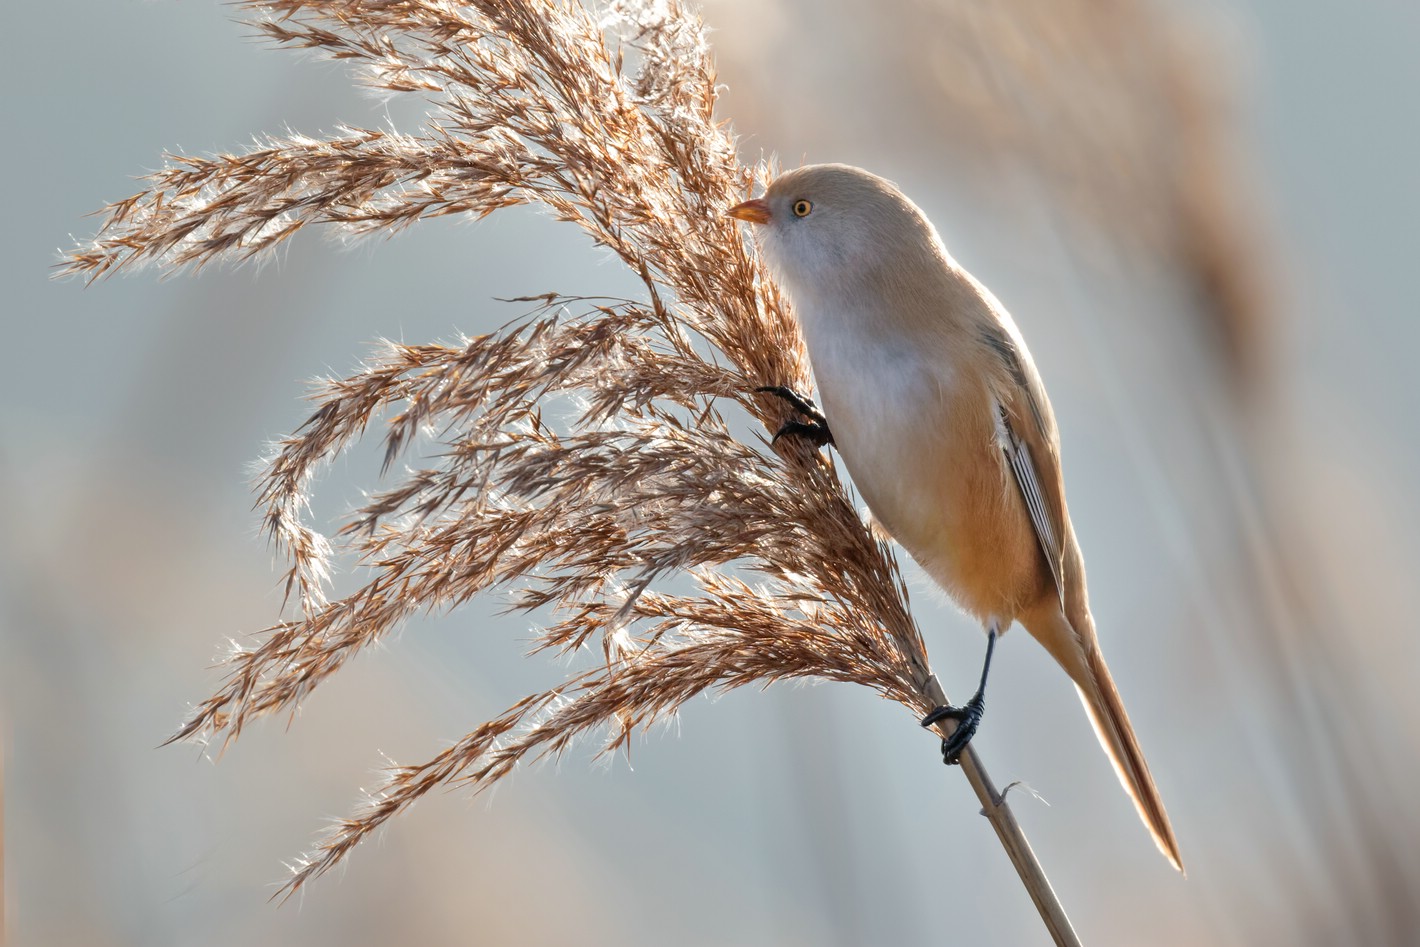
(1028, 438)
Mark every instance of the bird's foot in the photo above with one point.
(815, 429)
(968, 715)
(968, 718)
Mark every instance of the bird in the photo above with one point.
(932, 400)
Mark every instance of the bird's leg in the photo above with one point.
(815, 428)
(968, 715)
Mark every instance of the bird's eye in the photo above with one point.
(802, 207)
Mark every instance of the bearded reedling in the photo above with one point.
(943, 422)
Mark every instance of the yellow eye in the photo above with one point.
(802, 207)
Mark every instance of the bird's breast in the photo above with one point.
(916, 432)
(895, 408)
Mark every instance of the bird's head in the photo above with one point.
(827, 224)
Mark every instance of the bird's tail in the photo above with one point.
(1116, 735)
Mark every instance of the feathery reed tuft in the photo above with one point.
(533, 102)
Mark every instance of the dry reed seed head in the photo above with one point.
(589, 519)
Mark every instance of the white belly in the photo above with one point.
(887, 405)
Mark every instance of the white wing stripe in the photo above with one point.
(1023, 469)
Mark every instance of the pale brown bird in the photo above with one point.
(942, 420)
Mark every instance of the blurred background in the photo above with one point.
(1203, 222)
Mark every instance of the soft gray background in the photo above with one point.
(810, 815)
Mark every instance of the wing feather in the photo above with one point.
(1030, 443)
(1018, 458)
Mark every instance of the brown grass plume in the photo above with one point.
(605, 120)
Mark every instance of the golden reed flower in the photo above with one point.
(607, 122)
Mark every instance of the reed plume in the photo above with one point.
(647, 473)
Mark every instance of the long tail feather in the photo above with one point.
(1116, 735)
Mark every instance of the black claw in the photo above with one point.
(798, 402)
(967, 716)
(944, 712)
(817, 434)
(815, 429)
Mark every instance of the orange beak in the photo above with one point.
(756, 212)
